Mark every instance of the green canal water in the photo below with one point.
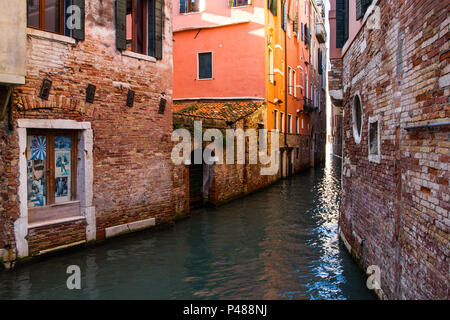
(279, 243)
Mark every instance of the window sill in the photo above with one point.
(138, 56)
(188, 13)
(375, 158)
(54, 221)
(40, 34)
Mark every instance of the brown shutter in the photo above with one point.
(79, 33)
(230, 3)
(121, 24)
(159, 28)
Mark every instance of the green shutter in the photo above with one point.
(230, 3)
(79, 33)
(273, 7)
(159, 28)
(121, 24)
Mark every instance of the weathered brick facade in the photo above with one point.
(134, 178)
(395, 213)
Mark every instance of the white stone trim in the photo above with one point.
(54, 221)
(356, 135)
(129, 227)
(35, 33)
(53, 124)
(12, 79)
(139, 56)
(84, 178)
(376, 158)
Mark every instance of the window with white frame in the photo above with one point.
(374, 139)
(294, 82)
(205, 65)
(271, 65)
(297, 129)
(290, 89)
(282, 121)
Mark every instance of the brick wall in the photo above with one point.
(57, 235)
(395, 214)
(134, 177)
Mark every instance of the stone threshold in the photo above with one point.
(54, 221)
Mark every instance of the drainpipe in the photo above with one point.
(286, 83)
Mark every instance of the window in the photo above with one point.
(282, 121)
(357, 116)
(374, 139)
(188, 6)
(297, 128)
(342, 21)
(290, 89)
(240, 3)
(140, 26)
(289, 123)
(47, 15)
(294, 82)
(205, 65)
(306, 85)
(303, 124)
(271, 65)
(275, 119)
(51, 167)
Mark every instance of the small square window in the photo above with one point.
(205, 65)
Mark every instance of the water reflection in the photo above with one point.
(280, 243)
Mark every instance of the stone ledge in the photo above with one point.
(53, 222)
(129, 227)
(53, 124)
(35, 33)
(138, 56)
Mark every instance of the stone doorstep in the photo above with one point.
(129, 227)
(54, 221)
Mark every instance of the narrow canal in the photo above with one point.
(280, 243)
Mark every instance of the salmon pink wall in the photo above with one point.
(235, 36)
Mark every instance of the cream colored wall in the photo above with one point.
(12, 42)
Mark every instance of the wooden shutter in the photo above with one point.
(359, 13)
(273, 7)
(121, 24)
(79, 33)
(230, 3)
(159, 28)
(182, 6)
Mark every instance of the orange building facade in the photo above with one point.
(254, 50)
